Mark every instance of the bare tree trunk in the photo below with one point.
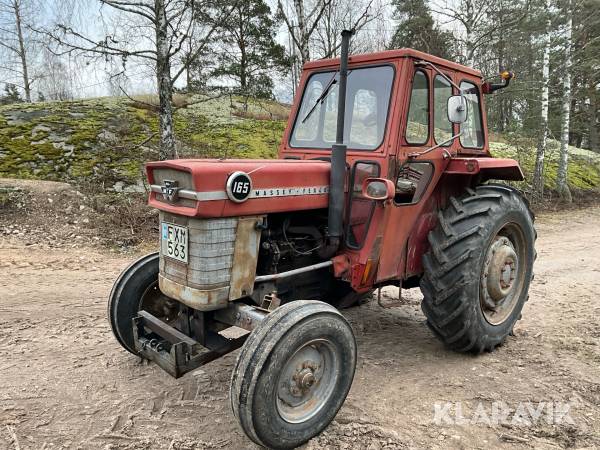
(303, 34)
(468, 22)
(307, 22)
(470, 49)
(563, 163)
(22, 51)
(163, 77)
(538, 175)
(594, 141)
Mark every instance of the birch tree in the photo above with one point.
(16, 41)
(563, 164)
(301, 21)
(538, 176)
(165, 28)
(315, 26)
(475, 17)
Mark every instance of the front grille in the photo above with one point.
(211, 245)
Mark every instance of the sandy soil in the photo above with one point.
(66, 383)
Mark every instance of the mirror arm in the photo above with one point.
(442, 74)
(451, 139)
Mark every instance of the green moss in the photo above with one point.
(240, 139)
(584, 166)
(73, 147)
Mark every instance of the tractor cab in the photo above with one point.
(396, 105)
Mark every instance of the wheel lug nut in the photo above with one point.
(308, 380)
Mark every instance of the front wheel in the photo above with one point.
(293, 374)
(137, 289)
(479, 267)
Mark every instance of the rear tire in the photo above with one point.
(478, 268)
(293, 374)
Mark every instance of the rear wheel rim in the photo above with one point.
(503, 274)
(307, 381)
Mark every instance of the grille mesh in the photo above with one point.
(211, 245)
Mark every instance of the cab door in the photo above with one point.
(418, 168)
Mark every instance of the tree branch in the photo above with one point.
(127, 7)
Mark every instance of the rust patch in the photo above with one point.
(245, 257)
(200, 299)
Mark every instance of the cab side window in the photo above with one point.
(472, 129)
(442, 127)
(417, 123)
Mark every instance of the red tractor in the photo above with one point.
(382, 179)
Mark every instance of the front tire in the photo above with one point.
(293, 374)
(137, 289)
(478, 268)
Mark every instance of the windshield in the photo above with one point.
(367, 100)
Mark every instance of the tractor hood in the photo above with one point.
(237, 187)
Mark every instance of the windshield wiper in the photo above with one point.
(324, 94)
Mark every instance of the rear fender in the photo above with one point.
(462, 173)
(486, 168)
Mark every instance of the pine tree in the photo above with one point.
(417, 29)
(250, 53)
(11, 95)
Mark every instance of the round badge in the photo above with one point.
(239, 187)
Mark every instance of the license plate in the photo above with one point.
(174, 242)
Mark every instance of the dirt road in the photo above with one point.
(65, 382)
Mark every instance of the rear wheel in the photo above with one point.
(479, 267)
(137, 289)
(293, 374)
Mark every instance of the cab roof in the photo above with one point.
(390, 55)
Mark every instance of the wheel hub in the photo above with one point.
(306, 381)
(501, 269)
(498, 280)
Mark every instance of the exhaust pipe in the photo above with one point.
(338, 157)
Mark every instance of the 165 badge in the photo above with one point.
(239, 187)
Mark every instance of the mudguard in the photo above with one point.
(489, 168)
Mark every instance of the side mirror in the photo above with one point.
(378, 189)
(457, 109)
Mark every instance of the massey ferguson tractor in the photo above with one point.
(383, 178)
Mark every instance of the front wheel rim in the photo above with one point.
(159, 305)
(307, 381)
(503, 274)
